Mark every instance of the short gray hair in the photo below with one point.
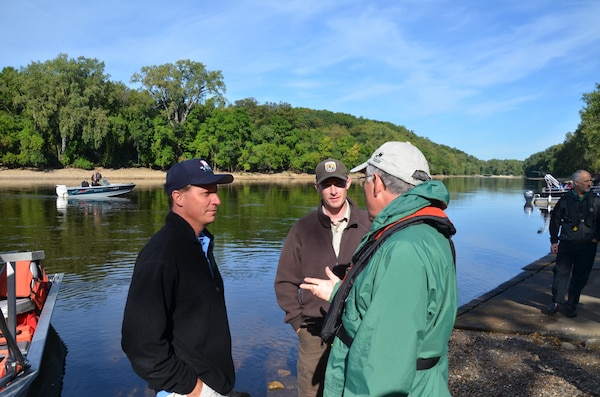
(577, 175)
(393, 184)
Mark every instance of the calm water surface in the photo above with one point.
(95, 243)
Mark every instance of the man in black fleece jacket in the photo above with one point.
(175, 328)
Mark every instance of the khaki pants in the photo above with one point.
(312, 360)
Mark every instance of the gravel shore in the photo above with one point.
(481, 363)
(493, 364)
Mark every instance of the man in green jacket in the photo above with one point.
(400, 312)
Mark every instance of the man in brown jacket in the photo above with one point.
(325, 237)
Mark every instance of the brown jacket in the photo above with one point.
(306, 251)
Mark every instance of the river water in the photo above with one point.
(95, 244)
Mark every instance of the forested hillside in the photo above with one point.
(67, 113)
(580, 149)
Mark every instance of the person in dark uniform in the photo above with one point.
(574, 233)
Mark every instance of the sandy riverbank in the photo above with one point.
(74, 176)
(140, 176)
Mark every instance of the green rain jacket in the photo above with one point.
(402, 307)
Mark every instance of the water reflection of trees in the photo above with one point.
(471, 184)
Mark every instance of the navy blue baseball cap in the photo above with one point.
(193, 172)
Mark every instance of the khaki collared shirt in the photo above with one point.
(337, 229)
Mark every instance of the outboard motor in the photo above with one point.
(528, 196)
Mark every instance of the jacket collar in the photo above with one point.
(182, 228)
(325, 221)
(424, 194)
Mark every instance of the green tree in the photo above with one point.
(541, 163)
(580, 149)
(162, 144)
(12, 147)
(9, 90)
(573, 154)
(223, 138)
(177, 89)
(132, 124)
(65, 98)
(590, 127)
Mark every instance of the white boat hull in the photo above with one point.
(544, 202)
(109, 190)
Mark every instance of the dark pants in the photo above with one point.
(572, 269)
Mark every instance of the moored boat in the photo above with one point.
(554, 187)
(105, 190)
(546, 202)
(551, 193)
(27, 300)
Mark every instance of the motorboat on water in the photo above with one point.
(551, 193)
(27, 300)
(539, 201)
(554, 187)
(106, 189)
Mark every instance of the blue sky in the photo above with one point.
(495, 79)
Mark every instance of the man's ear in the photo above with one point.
(378, 185)
(176, 196)
(348, 183)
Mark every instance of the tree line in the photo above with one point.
(579, 150)
(66, 112)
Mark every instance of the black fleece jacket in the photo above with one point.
(576, 219)
(175, 326)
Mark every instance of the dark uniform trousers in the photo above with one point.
(574, 262)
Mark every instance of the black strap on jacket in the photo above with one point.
(422, 363)
(332, 325)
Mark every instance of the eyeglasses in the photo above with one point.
(364, 179)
